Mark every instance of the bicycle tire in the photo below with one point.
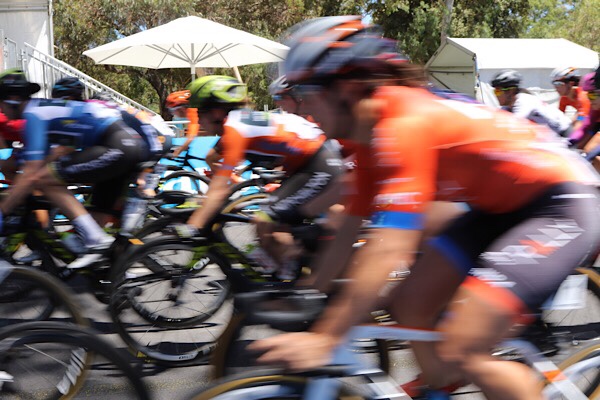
(263, 385)
(173, 331)
(43, 293)
(28, 342)
(592, 378)
(188, 181)
(579, 324)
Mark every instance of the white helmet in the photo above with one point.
(564, 74)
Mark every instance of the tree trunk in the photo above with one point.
(446, 20)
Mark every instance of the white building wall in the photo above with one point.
(25, 21)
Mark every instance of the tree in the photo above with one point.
(417, 24)
(85, 24)
(582, 25)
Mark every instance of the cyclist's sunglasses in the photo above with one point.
(593, 95)
(291, 92)
(558, 83)
(499, 91)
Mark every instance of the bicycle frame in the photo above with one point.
(323, 386)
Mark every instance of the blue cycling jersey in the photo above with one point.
(66, 123)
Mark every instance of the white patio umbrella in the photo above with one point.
(189, 42)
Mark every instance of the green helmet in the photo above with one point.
(216, 90)
(13, 82)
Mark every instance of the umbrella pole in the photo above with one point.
(236, 71)
(193, 71)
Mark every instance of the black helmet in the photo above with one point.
(337, 46)
(13, 82)
(507, 78)
(68, 87)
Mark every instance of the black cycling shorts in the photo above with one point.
(108, 166)
(307, 184)
(529, 251)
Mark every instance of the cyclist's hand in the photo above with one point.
(299, 351)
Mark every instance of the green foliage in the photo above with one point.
(416, 24)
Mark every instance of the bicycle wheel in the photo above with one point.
(30, 295)
(258, 386)
(588, 380)
(186, 181)
(165, 295)
(51, 360)
(579, 324)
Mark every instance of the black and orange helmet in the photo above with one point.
(178, 99)
(335, 47)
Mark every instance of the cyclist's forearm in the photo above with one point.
(335, 256)
(369, 271)
(218, 192)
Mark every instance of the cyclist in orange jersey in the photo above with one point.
(311, 163)
(533, 217)
(178, 104)
(566, 83)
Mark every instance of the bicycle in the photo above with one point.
(169, 292)
(551, 336)
(580, 368)
(51, 360)
(30, 295)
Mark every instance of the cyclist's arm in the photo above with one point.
(213, 158)
(386, 250)
(191, 133)
(218, 190)
(372, 264)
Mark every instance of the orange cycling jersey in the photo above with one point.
(194, 126)
(288, 136)
(425, 148)
(581, 103)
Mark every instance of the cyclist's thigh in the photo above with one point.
(443, 264)
(106, 193)
(118, 152)
(561, 231)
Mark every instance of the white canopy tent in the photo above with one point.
(469, 65)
